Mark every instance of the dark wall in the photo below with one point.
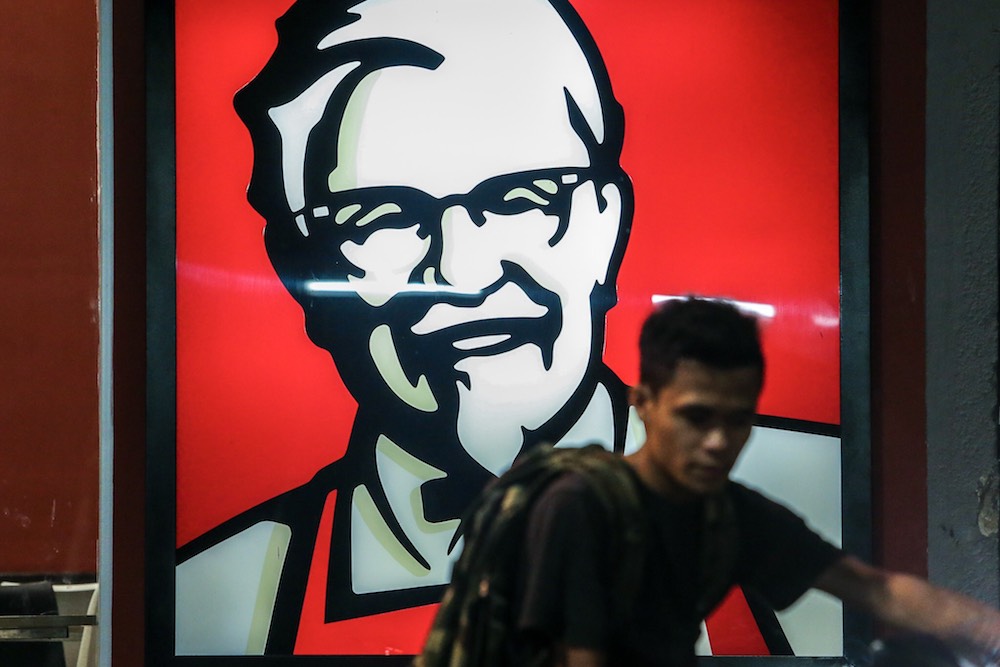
(963, 172)
(49, 310)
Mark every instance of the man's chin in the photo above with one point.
(709, 485)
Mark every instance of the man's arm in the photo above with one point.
(910, 603)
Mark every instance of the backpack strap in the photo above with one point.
(614, 484)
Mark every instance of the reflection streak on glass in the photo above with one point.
(765, 310)
(340, 286)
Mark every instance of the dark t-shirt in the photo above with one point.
(565, 588)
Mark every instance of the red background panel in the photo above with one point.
(731, 142)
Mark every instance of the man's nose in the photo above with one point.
(718, 439)
(471, 254)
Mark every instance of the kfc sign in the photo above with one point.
(416, 238)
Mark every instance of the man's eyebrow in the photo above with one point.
(695, 407)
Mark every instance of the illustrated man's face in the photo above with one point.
(466, 226)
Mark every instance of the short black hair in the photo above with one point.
(712, 332)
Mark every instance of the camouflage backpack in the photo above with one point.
(475, 620)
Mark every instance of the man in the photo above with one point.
(701, 373)
(444, 199)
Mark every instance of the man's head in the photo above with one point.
(444, 199)
(701, 373)
(713, 333)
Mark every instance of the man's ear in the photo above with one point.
(639, 396)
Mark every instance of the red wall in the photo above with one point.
(48, 287)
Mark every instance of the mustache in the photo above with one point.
(511, 312)
(433, 308)
(510, 301)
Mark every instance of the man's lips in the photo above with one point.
(494, 320)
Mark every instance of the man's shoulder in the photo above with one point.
(773, 521)
(749, 499)
(568, 498)
(555, 483)
(591, 476)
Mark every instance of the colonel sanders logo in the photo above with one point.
(443, 197)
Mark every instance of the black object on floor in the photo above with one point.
(32, 598)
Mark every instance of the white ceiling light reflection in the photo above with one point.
(828, 321)
(344, 287)
(764, 310)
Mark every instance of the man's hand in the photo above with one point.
(910, 603)
(580, 657)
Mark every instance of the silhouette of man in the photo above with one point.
(444, 199)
